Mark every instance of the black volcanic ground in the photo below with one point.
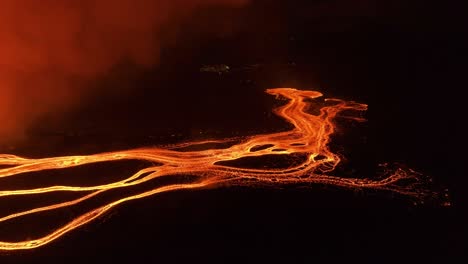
(393, 61)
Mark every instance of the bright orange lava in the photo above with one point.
(310, 136)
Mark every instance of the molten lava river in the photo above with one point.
(306, 145)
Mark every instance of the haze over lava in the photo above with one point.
(47, 46)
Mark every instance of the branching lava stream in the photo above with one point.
(310, 136)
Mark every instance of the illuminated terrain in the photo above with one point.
(307, 144)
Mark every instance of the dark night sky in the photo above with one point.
(403, 60)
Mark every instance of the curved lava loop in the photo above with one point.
(310, 136)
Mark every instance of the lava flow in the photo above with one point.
(309, 137)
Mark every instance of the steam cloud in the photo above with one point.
(45, 44)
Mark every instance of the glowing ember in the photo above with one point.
(309, 137)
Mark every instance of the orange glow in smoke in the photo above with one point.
(310, 137)
(49, 48)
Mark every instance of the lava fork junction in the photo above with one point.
(308, 139)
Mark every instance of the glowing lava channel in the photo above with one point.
(310, 136)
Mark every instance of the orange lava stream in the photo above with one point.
(310, 136)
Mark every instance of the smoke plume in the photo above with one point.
(46, 45)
